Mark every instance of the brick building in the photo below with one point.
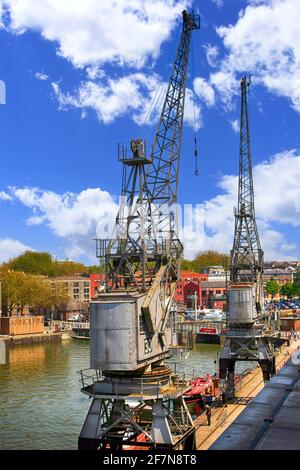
(188, 286)
(280, 275)
(213, 294)
(78, 288)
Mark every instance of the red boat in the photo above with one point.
(203, 390)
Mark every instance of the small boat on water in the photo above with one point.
(80, 332)
(208, 386)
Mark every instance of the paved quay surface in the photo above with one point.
(224, 421)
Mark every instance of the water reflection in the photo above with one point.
(41, 406)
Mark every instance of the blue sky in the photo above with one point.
(80, 77)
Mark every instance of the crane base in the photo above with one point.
(128, 414)
(245, 345)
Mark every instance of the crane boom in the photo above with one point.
(131, 326)
(162, 176)
(146, 234)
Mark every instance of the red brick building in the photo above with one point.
(213, 294)
(188, 286)
(210, 294)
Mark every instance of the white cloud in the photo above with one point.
(125, 32)
(204, 91)
(265, 41)
(132, 94)
(226, 85)
(113, 98)
(1, 13)
(219, 3)
(4, 196)
(235, 124)
(11, 248)
(41, 76)
(212, 53)
(78, 218)
(95, 72)
(96, 33)
(192, 111)
(72, 217)
(275, 204)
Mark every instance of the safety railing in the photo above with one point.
(89, 378)
(67, 325)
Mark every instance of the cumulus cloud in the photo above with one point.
(75, 218)
(78, 218)
(11, 248)
(132, 94)
(112, 98)
(99, 32)
(4, 196)
(271, 207)
(265, 41)
(204, 91)
(227, 86)
(95, 34)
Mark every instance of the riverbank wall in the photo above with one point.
(46, 337)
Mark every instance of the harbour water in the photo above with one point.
(41, 406)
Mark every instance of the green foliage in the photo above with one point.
(20, 290)
(272, 287)
(289, 290)
(95, 269)
(204, 259)
(297, 278)
(42, 264)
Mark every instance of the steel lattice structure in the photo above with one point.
(146, 233)
(246, 254)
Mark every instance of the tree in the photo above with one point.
(288, 290)
(50, 295)
(272, 287)
(32, 262)
(12, 290)
(204, 259)
(20, 290)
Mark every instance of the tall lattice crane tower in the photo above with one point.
(246, 254)
(139, 400)
(245, 340)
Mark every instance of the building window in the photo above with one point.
(86, 291)
(75, 291)
(75, 284)
(86, 284)
(76, 296)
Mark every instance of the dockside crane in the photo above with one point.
(138, 401)
(245, 340)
